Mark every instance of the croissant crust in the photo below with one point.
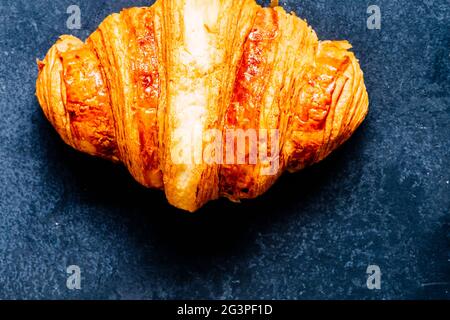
(203, 98)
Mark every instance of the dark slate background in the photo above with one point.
(383, 198)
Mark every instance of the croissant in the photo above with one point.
(203, 98)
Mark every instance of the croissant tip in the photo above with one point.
(274, 3)
(40, 64)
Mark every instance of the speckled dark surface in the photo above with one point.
(383, 198)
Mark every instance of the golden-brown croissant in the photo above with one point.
(203, 98)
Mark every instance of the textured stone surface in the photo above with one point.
(383, 198)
